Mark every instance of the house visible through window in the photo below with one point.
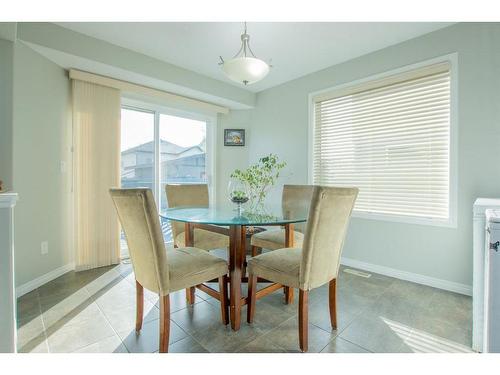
(391, 138)
(183, 144)
(159, 148)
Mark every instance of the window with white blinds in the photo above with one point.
(391, 139)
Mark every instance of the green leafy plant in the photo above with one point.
(260, 177)
(238, 194)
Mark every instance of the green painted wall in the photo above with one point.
(6, 86)
(280, 124)
(40, 142)
(230, 158)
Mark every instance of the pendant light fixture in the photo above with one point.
(245, 67)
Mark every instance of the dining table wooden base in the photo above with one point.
(237, 254)
(225, 222)
(237, 240)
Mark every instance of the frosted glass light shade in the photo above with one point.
(245, 69)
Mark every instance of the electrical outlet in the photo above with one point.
(44, 247)
(63, 167)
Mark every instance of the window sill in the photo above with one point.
(447, 223)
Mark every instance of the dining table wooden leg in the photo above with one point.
(236, 235)
(289, 242)
(189, 242)
(243, 246)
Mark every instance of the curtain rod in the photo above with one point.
(140, 89)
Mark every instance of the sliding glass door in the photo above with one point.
(183, 156)
(137, 148)
(158, 147)
(137, 154)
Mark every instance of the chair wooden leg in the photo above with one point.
(303, 319)
(190, 295)
(252, 290)
(164, 323)
(288, 295)
(254, 250)
(244, 269)
(333, 302)
(224, 306)
(139, 310)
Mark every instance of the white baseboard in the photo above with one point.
(409, 276)
(39, 281)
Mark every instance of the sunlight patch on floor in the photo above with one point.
(423, 342)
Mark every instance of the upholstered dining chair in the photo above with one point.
(195, 195)
(295, 198)
(316, 263)
(160, 270)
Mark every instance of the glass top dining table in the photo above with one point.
(268, 215)
(233, 223)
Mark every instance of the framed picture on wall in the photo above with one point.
(234, 137)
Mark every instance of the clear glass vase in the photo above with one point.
(238, 193)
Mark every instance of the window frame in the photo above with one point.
(451, 221)
(157, 110)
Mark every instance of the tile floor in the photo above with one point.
(94, 311)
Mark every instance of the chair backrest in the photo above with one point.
(296, 199)
(195, 195)
(329, 216)
(139, 219)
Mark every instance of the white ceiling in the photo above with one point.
(296, 49)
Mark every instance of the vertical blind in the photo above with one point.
(96, 130)
(391, 139)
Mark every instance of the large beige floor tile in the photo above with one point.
(339, 345)
(147, 341)
(286, 336)
(31, 336)
(28, 305)
(111, 344)
(57, 311)
(178, 300)
(222, 339)
(123, 319)
(30, 332)
(104, 282)
(186, 345)
(199, 317)
(120, 296)
(78, 333)
(378, 335)
(261, 345)
(440, 338)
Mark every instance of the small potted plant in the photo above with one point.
(258, 179)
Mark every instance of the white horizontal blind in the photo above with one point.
(391, 139)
